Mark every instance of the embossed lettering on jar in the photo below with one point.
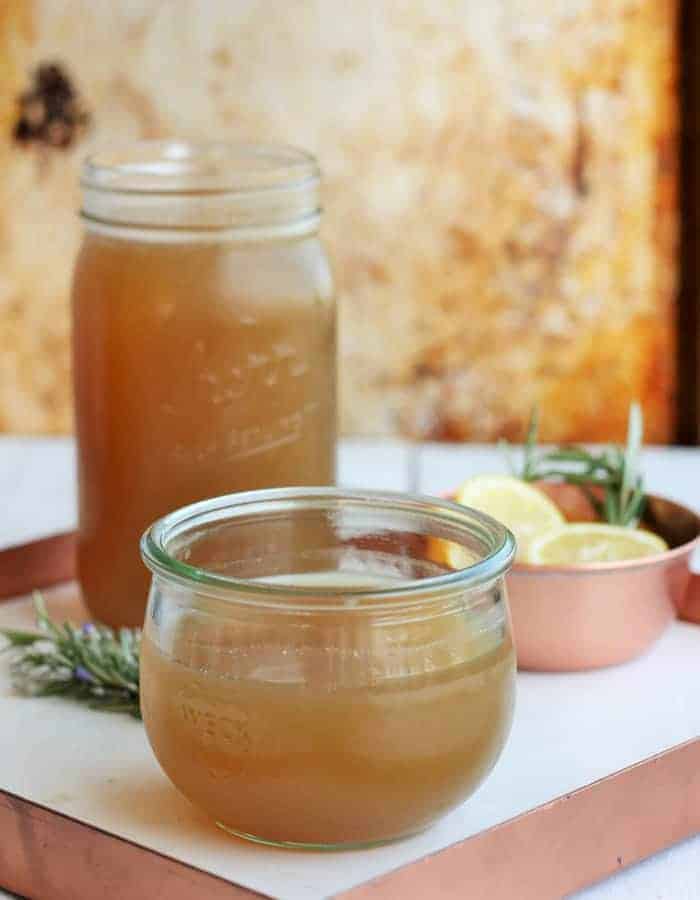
(204, 343)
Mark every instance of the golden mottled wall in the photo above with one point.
(500, 192)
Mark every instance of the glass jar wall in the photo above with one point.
(204, 344)
(313, 672)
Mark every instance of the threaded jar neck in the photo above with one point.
(181, 186)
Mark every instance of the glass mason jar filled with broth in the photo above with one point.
(204, 343)
(325, 667)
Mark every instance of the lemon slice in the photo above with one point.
(586, 542)
(518, 505)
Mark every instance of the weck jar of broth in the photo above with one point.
(204, 343)
(313, 671)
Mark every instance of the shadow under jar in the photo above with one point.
(311, 676)
(204, 343)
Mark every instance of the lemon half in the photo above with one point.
(587, 542)
(527, 511)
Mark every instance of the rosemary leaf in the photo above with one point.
(613, 470)
(611, 509)
(91, 664)
(568, 454)
(20, 638)
(630, 477)
(595, 502)
(531, 445)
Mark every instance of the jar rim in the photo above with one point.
(202, 188)
(180, 167)
(155, 554)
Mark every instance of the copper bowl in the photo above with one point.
(568, 618)
(574, 617)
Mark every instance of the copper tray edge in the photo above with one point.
(564, 845)
(546, 852)
(46, 855)
(37, 564)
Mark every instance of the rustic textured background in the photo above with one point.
(500, 191)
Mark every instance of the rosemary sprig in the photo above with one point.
(614, 471)
(92, 664)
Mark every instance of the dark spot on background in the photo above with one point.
(579, 159)
(223, 57)
(50, 112)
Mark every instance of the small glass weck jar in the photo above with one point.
(314, 673)
(204, 343)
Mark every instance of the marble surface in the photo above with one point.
(37, 491)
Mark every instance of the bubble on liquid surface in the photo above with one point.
(298, 368)
(283, 350)
(256, 360)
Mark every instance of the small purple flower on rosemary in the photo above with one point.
(92, 664)
(82, 674)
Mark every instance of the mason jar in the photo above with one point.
(204, 343)
(314, 671)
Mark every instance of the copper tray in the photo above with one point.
(545, 853)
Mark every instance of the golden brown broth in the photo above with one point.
(200, 369)
(329, 731)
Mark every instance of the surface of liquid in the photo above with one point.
(200, 369)
(331, 728)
